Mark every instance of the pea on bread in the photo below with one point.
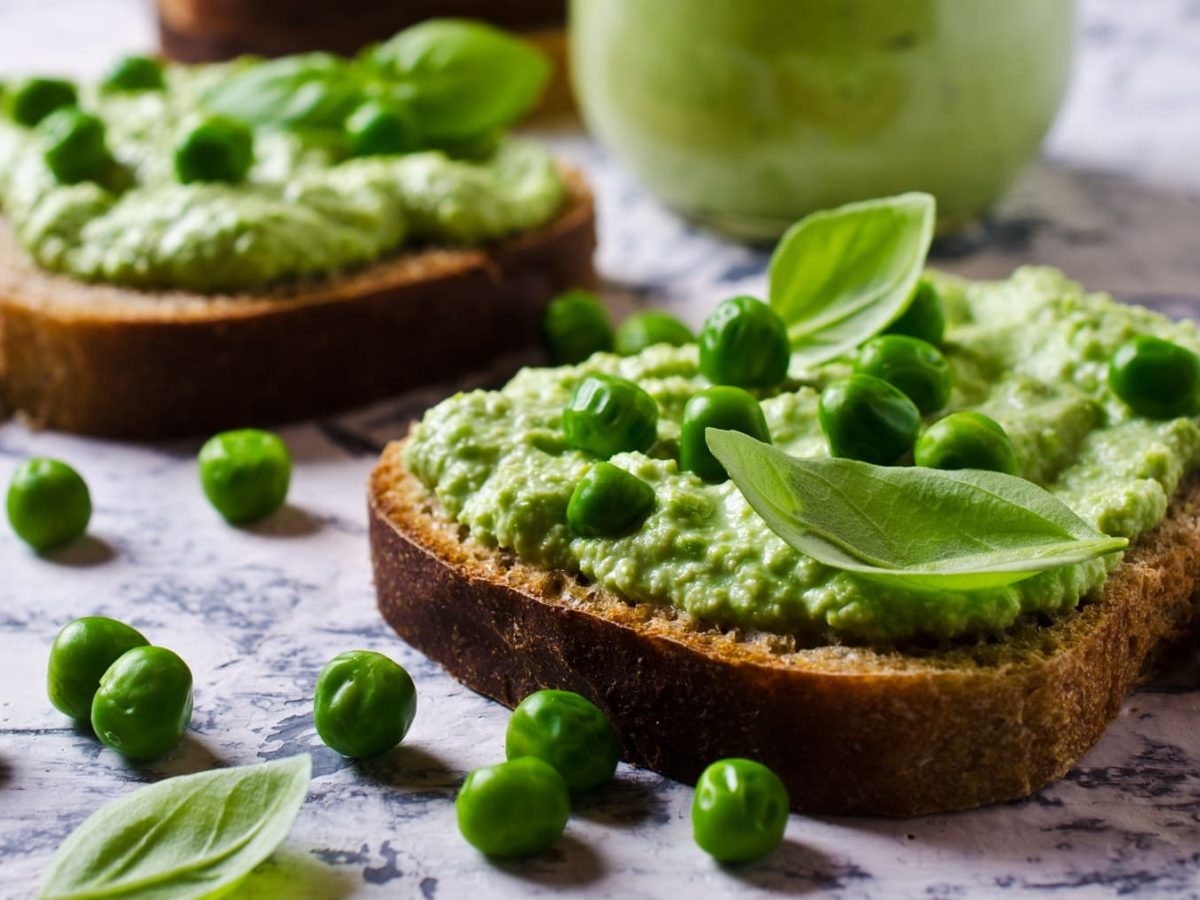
(112, 361)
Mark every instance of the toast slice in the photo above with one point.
(900, 731)
(111, 361)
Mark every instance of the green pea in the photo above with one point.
(516, 808)
(144, 703)
(608, 501)
(717, 407)
(76, 149)
(910, 364)
(245, 474)
(925, 317)
(1156, 378)
(364, 704)
(134, 73)
(574, 326)
(374, 129)
(866, 418)
(649, 327)
(608, 415)
(32, 99)
(216, 149)
(745, 343)
(81, 653)
(739, 810)
(567, 731)
(966, 440)
(48, 504)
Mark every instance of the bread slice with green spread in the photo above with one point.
(191, 248)
(703, 634)
(117, 362)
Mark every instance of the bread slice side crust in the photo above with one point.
(848, 729)
(110, 361)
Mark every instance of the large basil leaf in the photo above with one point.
(312, 90)
(840, 277)
(916, 527)
(182, 837)
(461, 79)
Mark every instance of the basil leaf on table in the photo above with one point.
(912, 527)
(841, 276)
(461, 79)
(183, 837)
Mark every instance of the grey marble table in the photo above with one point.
(257, 612)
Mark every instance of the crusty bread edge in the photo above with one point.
(850, 730)
(101, 360)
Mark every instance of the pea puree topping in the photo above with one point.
(146, 215)
(1031, 353)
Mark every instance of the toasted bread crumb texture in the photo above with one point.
(850, 729)
(1031, 352)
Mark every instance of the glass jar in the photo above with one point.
(748, 114)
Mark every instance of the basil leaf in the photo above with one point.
(461, 79)
(312, 90)
(841, 276)
(182, 837)
(913, 527)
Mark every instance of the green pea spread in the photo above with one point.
(1031, 352)
(304, 210)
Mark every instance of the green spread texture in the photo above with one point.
(1031, 352)
(307, 206)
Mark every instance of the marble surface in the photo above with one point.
(256, 612)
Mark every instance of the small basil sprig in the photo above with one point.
(841, 276)
(183, 837)
(311, 90)
(457, 81)
(461, 79)
(912, 527)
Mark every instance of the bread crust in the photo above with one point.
(204, 30)
(896, 732)
(104, 360)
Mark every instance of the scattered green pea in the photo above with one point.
(215, 149)
(608, 501)
(567, 731)
(516, 808)
(649, 327)
(910, 364)
(724, 407)
(245, 474)
(1156, 378)
(76, 149)
(31, 100)
(966, 440)
(925, 317)
(81, 653)
(739, 810)
(744, 343)
(866, 418)
(608, 415)
(574, 326)
(144, 703)
(48, 504)
(134, 73)
(364, 704)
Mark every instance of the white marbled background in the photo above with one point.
(257, 612)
